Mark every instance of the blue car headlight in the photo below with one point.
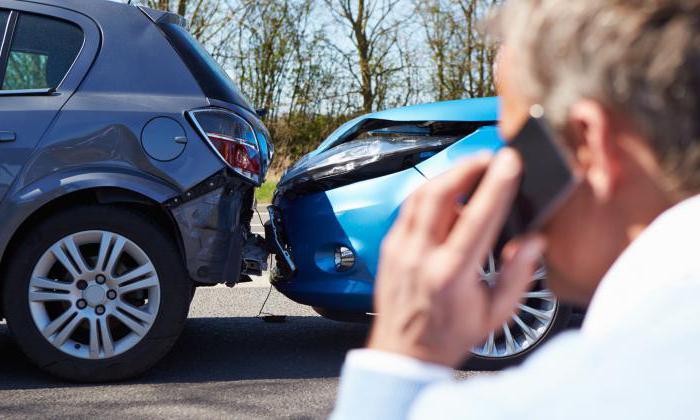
(373, 155)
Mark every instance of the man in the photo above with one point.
(619, 81)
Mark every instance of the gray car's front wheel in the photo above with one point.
(96, 293)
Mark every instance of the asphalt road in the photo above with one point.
(227, 364)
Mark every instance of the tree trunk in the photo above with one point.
(182, 7)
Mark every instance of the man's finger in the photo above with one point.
(404, 221)
(515, 278)
(482, 219)
(437, 207)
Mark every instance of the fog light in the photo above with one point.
(344, 258)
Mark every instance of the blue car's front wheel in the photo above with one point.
(503, 360)
(538, 317)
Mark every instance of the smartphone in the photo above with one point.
(548, 178)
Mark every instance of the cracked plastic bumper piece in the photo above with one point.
(276, 243)
(212, 235)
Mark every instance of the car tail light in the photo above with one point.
(233, 139)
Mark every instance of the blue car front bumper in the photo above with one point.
(357, 216)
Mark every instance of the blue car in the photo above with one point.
(333, 207)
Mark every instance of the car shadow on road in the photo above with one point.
(223, 349)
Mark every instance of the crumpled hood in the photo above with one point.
(482, 110)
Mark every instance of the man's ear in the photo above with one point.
(591, 128)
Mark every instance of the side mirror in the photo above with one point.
(262, 112)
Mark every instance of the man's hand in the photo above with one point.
(431, 302)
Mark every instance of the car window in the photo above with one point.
(213, 79)
(3, 21)
(41, 53)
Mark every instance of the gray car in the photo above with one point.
(128, 163)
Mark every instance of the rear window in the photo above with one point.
(213, 80)
(3, 20)
(42, 51)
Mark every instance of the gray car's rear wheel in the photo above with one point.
(96, 293)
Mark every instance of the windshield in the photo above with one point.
(213, 80)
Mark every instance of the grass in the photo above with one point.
(264, 193)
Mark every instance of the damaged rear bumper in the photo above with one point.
(214, 223)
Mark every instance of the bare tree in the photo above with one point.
(317, 85)
(441, 37)
(371, 26)
(479, 53)
(462, 59)
(269, 34)
(313, 73)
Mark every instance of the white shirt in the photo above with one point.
(636, 356)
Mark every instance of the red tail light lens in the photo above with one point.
(237, 154)
(232, 138)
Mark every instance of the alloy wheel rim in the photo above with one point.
(94, 294)
(528, 325)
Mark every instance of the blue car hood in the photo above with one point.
(482, 110)
(477, 110)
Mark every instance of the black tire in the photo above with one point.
(560, 323)
(161, 249)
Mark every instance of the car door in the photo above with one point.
(45, 53)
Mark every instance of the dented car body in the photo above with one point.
(124, 111)
(334, 206)
(95, 138)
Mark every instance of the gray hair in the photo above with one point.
(640, 58)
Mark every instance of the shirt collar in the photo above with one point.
(664, 255)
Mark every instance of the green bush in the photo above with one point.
(264, 194)
(296, 135)
(293, 137)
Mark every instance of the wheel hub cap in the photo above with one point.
(95, 295)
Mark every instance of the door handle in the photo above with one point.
(7, 136)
